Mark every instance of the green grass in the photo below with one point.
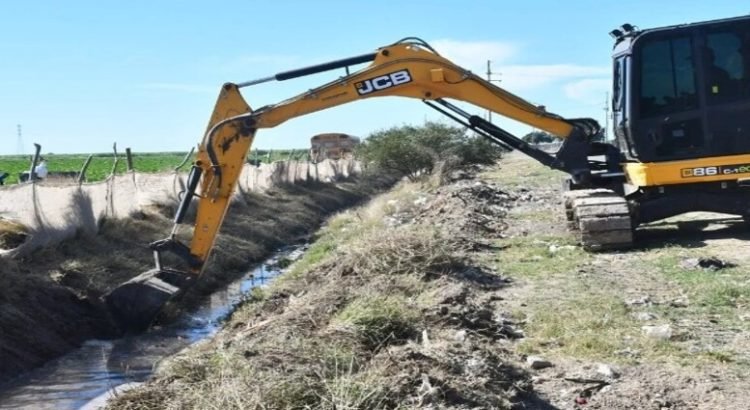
(588, 323)
(715, 290)
(379, 319)
(533, 256)
(101, 164)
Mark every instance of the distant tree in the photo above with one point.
(539, 137)
(413, 151)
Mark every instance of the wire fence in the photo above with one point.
(98, 166)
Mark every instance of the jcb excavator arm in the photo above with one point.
(408, 68)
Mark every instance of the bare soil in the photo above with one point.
(50, 301)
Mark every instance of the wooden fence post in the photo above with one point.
(34, 162)
(129, 157)
(82, 174)
(117, 159)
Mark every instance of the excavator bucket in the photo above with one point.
(135, 303)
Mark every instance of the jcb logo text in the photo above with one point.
(382, 82)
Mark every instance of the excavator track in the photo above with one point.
(600, 218)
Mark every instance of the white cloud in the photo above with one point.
(524, 77)
(589, 90)
(474, 54)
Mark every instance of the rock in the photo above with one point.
(475, 366)
(628, 352)
(420, 201)
(425, 338)
(556, 248)
(607, 371)
(514, 333)
(536, 362)
(644, 316)
(660, 332)
(679, 303)
(460, 336)
(710, 263)
(643, 300)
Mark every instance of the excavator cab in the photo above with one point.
(682, 92)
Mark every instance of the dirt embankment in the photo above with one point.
(391, 307)
(50, 300)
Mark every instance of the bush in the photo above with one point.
(413, 151)
(539, 137)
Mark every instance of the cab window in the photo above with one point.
(618, 86)
(726, 56)
(667, 77)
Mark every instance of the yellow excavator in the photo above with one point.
(681, 113)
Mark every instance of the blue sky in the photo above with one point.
(79, 75)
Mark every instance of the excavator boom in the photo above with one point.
(409, 68)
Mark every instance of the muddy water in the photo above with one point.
(99, 366)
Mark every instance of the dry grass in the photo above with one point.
(379, 320)
(12, 234)
(363, 321)
(420, 251)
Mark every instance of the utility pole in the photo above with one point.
(19, 141)
(489, 78)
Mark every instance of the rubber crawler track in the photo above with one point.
(600, 218)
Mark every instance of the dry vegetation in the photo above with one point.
(387, 309)
(12, 234)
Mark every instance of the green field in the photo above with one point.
(101, 164)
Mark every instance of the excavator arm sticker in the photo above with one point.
(383, 82)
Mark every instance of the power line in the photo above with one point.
(489, 79)
(606, 115)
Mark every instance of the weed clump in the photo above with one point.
(419, 251)
(380, 320)
(12, 234)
